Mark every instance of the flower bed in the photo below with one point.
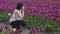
(39, 14)
(38, 23)
(49, 9)
(4, 29)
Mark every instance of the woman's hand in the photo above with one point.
(19, 14)
(22, 11)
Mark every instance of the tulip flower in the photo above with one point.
(5, 26)
(6, 23)
(42, 29)
(39, 30)
(31, 30)
(34, 30)
(10, 33)
(1, 29)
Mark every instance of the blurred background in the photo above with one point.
(43, 15)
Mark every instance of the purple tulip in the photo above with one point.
(10, 33)
(57, 19)
(47, 8)
(1, 29)
(46, 15)
(39, 30)
(34, 33)
(6, 26)
(34, 15)
(34, 30)
(6, 23)
(52, 17)
(31, 30)
(42, 29)
(57, 22)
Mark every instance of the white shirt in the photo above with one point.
(15, 16)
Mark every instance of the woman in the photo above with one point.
(16, 20)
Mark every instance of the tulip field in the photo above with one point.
(40, 16)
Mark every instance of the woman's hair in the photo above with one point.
(19, 6)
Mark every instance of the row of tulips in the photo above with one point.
(32, 30)
(36, 22)
(53, 15)
(10, 5)
(50, 9)
(32, 17)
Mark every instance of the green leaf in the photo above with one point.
(5, 31)
(4, 16)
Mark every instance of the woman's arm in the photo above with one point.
(19, 14)
(22, 11)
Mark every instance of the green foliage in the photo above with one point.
(4, 16)
(4, 32)
(34, 21)
(43, 23)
